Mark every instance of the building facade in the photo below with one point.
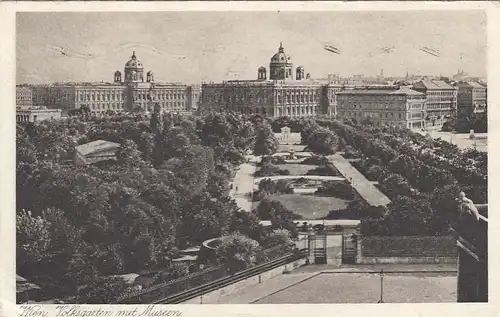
(284, 93)
(37, 114)
(441, 101)
(132, 92)
(471, 98)
(24, 97)
(404, 106)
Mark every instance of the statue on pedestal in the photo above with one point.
(467, 206)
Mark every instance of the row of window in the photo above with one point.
(369, 98)
(296, 111)
(440, 93)
(110, 95)
(302, 99)
(364, 114)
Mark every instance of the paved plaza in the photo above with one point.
(325, 284)
(462, 140)
(365, 288)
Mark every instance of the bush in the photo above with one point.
(269, 187)
(374, 227)
(315, 160)
(350, 152)
(271, 170)
(237, 252)
(341, 190)
(272, 160)
(324, 170)
(279, 237)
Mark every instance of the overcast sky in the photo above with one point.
(193, 46)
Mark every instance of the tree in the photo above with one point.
(279, 237)
(265, 143)
(395, 185)
(33, 238)
(410, 217)
(101, 290)
(279, 215)
(238, 252)
(247, 224)
(129, 155)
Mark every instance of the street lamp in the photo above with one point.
(381, 300)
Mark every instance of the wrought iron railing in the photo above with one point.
(268, 258)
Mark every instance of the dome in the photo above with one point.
(262, 68)
(300, 67)
(149, 73)
(118, 72)
(281, 57)
(134, 62)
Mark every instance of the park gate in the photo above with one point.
(349, 248)
(317, 246)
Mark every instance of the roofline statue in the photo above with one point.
(467, 206)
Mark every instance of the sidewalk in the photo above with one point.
(243, 185)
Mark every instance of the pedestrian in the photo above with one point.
(236, 188)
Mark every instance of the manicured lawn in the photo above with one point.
(297, 169)
(309, 206)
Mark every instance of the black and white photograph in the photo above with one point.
(251, 157)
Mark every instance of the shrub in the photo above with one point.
(279, 237)
(269, 187)
(341, 190)
(271, 160)
(237, 252)
(315, 160)
(350, 152)
(271, 170)
(374, 227)
(324, 170)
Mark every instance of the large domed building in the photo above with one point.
(282, 94)
(131, 93)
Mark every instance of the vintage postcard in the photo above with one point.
(170, 158)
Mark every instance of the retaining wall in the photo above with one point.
(407, 249)
(212, 297)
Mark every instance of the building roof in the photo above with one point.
(474, 84)
(96, 146)
(281, 57)
(379, 91)
(134, 63)
(434, 84)
(408, 91)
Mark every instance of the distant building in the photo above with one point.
(95, 151)
(36, 114)
(24, 97)
(136, 91)
(194, 97)
(441, 101)
(404, 106)
(471, 98)
(282, 93)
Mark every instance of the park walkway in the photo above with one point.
(243, 183)
(365, 188)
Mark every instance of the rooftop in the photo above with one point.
(434, 84)
(96, 146)
(382, 91)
